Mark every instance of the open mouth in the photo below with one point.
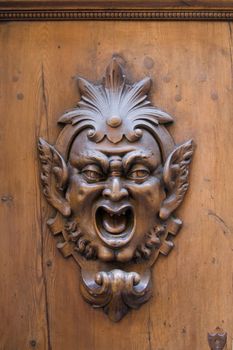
(115, 226)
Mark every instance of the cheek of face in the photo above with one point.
(146, 200)
(147, 197)
(81, 197)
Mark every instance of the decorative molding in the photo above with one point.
(116, 14)
(117, 291)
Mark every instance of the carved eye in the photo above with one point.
(138, 172)
(93, 173)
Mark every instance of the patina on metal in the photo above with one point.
(115, 177)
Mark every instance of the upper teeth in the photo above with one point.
(118, 214)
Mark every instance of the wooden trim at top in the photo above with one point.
(114, 15)
(117, 4)
(57, 10)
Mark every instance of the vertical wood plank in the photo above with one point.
(24, 323)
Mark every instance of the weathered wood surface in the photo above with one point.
(191, 65)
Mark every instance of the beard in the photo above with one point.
(88, 248)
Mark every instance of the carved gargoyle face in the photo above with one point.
(121, 173)
(115, 176)
(115, 193)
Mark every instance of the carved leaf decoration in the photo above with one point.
(137, 94)
(175, 176)
(54, 175)
(92, 98)
(118, 100)
(114, 78)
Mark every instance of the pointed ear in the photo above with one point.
(54, 176)
(175, 176)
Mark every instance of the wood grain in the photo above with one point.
(192, 74)
(23, 304)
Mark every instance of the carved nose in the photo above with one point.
(115, 192)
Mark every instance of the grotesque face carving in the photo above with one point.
(115, 176)
(115, 192)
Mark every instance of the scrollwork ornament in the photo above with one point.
(115, 178)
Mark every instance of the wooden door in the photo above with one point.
(190, 63)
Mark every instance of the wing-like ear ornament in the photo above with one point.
(54, 176)
(175, 176)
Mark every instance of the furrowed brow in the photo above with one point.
(92, 157)
(143, 157)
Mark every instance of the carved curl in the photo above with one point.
(116, 291)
